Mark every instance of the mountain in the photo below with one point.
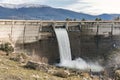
(13, 6)
(43, 12)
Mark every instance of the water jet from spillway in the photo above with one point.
(65, 54)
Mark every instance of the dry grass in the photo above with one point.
(12, 70)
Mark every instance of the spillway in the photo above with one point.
(65, 54)
(64, 44)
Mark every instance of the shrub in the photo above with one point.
(7, 47)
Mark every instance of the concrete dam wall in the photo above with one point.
(90, 40)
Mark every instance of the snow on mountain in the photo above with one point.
(16, 6)
(43, 12)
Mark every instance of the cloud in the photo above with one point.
(86, 6)
(95, 6)
(54, 3)
(59, 3)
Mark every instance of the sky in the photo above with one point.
(94, 7)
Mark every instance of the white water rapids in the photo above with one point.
(65, 54)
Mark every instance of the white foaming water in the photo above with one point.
(64, 44)
(65, 54)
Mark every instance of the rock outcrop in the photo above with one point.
(37, 66)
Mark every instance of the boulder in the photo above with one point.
(19, 57)
(117, 75)
(62, 73)
(2, 53)
(37, 66)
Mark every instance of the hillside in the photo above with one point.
(14, 70)
(43, 12)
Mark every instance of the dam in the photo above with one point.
(91, 40)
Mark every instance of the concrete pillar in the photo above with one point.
(67, 25)
(24, 34)
(39, 30)
(97, 28)
(80, 27)
(5, 22)
(97, 37)
(112, 27)
(54, 25)
(12, 28)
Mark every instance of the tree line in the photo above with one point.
(96, 19)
